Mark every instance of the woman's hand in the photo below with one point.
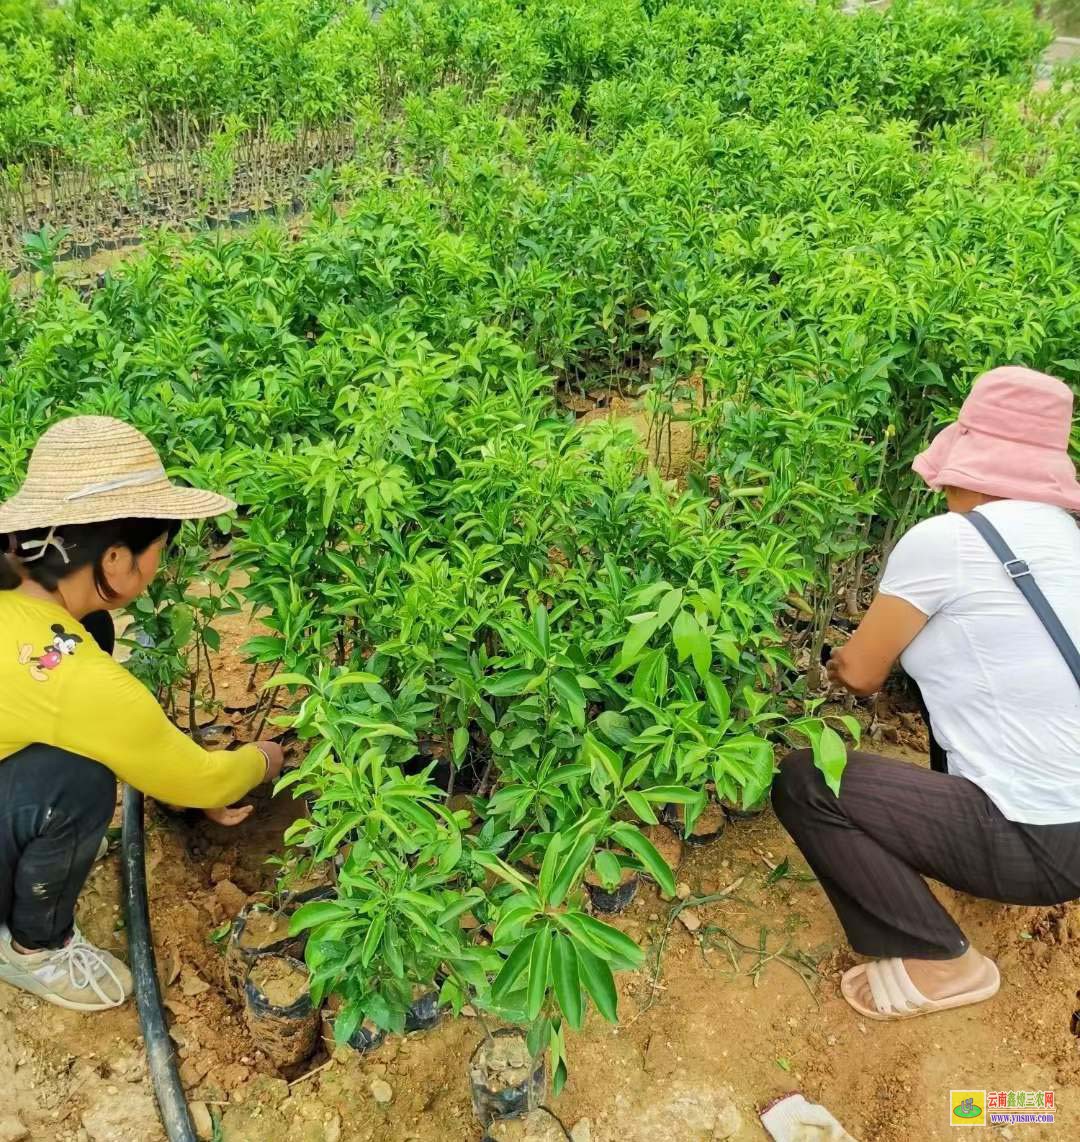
(275, 760)
(229, 816)
(863, 663)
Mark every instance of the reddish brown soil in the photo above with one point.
(262, 929)
(280, 980)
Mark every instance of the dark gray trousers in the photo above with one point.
(895, 823)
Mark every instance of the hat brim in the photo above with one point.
(161, 501)
(961, 457)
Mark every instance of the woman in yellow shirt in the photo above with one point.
(85, 534)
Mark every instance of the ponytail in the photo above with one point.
(10, 577)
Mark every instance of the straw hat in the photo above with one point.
(89, 469)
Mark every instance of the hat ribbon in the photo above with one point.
(135, 480)
(43, 545)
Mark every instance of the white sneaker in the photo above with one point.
(77, 976)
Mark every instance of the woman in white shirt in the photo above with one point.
(1004, 821)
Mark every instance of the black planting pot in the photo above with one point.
(610, 903)
(738, 813)
(424, 1012)
(286, 1034)
(294, 900)
(365, 1039)
(491, 1101)
(240, 960)
(670, 816)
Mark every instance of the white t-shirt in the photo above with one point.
(1002, 701)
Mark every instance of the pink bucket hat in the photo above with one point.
(1011, 440)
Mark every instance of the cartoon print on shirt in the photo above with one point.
(62, 646)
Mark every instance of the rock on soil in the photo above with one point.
(231, 898)
(382, 1092)
(582, 1131)
(127, 1116)
(660, 1057)
(200, 1117)
(12, 1130)
(690, 920)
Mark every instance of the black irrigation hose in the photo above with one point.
(172, 1105)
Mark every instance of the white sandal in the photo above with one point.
(896, 997)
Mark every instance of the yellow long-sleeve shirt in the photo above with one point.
(57, 687)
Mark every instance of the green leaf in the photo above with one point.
(639, 635)
(461, 742)
(509, 682)
(600, 756)
(551, 861)
(669, 604)
(567, 980)
(512, 968)
(566, 686)
(830, 756)
(646, 852)
(523, 738)
(640, 806)
(316, 913)
(182, 622)
(372, 937)
(852, 726)
(599, 983)
(616, 942)
(571, 869)
(539, 972)
(458, 908)
(615, 727)
(609, 869)
(671, 795)
(540, 625)
(286, 680)
(719, 696)
(353, 678)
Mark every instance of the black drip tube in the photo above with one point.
(172, 1105)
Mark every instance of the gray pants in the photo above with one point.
(895, 823)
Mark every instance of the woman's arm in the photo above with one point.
(863, 663)
(106, 714)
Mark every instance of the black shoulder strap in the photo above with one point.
(1020, 573)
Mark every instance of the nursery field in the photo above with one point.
(567, 362)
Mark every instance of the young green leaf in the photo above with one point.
(567, 981)
(655, 865)
(512, 968)
(539, 972)
(599, 983)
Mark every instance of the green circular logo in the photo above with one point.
(967, 1110)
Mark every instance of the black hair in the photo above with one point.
(85, 545)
